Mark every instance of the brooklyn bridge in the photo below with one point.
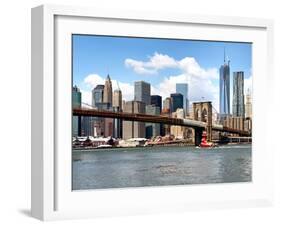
(202, 120)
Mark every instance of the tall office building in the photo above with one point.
(87, 126)
(179, 132)
(108, 127)
(152, 129)
(99, 122)
(117, 99)
(182, 88)
(76, 103)
(234, 122)
(107, 93)
(117, 107)
(167, 105)
(134, 129)
(142, 92)
(156, 100)
(248, 105)
(225, 89)
(166, 111)
(117, 125)
(104, 126)
(238, 107)
(97, 95)
(97, 101)
(176, 101)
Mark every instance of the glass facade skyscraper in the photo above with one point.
(97, 95)
(225, 89)
(142, 92)
(238, 107)
(157, 101)
(152, 129)
(176, 101)
(76, 103)
(182, 88)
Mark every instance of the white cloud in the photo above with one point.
(139, 67)
(155, 63)
(191, 67)
(161, 61)
(93, 80)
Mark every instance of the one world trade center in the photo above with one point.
(224, 89)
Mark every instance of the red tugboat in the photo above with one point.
(204, 143)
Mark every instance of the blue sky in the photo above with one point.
(161, 62)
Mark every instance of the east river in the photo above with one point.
(155, 166)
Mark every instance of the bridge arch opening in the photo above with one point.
(204, 115)
(197, 115)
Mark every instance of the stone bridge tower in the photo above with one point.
(202, 111)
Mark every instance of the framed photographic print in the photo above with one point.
(137, 112)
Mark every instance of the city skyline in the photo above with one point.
(132, 125)
(160, 62)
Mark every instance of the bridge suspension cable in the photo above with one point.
(88, 105)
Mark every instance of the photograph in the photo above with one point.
(160, 112)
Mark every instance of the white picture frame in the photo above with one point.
(52, 197)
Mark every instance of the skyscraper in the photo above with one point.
(238, 107)
(248, 105)
(142, 92)
(117, 125)
(156, 100)
(166, 111)
(87, 126)
(182, 88)
(76, 103)
(134, 129)
(117, 107)
(176, 101)
(225, 89)
(167, 105)
(97, 95)
(152, 129)
(107, 105)
(180, 132)
(76, 97)
(97, 102)
(117, 99)
(107, 93)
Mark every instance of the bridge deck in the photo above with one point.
(154, 119)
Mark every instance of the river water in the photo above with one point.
(156, 166)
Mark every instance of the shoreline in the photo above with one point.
(95, 149)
